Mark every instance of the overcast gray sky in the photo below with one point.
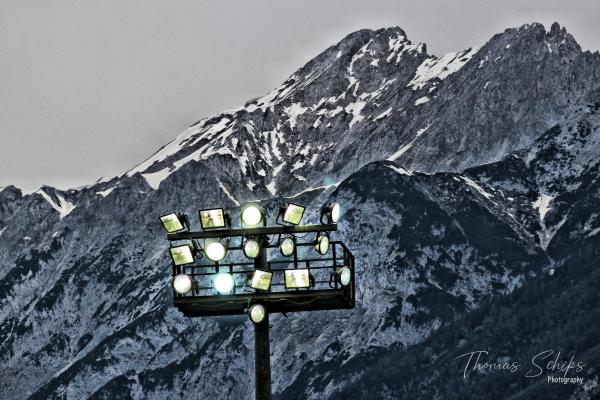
(91, 88)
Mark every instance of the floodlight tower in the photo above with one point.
(308, 283)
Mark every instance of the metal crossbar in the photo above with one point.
(271, 230)
(320, 268)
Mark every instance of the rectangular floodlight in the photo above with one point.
(182, 255)
(212, 218)
(293, 214)
(261, 280)
(172, 223)
(297, 278)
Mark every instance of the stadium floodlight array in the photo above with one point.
(254, 238)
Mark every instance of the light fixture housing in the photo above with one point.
(213, 218)
(251, 248)
(216, 251)
(182, 283)
(257, 313)
(321, 243)
(224, 283)
(261, 280)
(175, 222)
(297, 279)
(252, 215)
(291, 213)
(344, 275)
(182, 255)
(330, 213)
(287, 245)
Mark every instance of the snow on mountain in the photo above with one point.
(440, 68)
(62, 206)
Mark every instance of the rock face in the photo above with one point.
(506, 141)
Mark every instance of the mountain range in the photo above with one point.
(469, 188)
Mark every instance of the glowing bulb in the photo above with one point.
(322, 244)
(182, 283)
(251, 248)
(257, 313)
(215, 251)
(335, 213)
(286, 247)
(345, 275)
(252, 215)
(224, 283)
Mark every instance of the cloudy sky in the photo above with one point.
(91, 88)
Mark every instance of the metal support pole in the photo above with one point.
(262, 348)
(262, 360)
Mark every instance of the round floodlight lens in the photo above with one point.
(251, 215)
(322, 244)
(224, 283)
(287, 247)
(251, 249)
(345, 276)
(215, 251)
(257, 313)
(335, 213)
(182, 283)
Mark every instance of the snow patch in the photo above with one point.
(227, 192)
(106, 192)
(355, 109)
(401, 170)
(421, 100)
(375, 94)
(440, 68)
(542, 204)
(350, 70)
(171, 148)
(394, 44)
(478, 188)
(63, 207)
(155, 178)
(277, 169)
(592, 232)
(384, 114)
(406, 147)
(335, 112)
(310, 189)
(271, 188)
(399, 45)
(293, 112)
